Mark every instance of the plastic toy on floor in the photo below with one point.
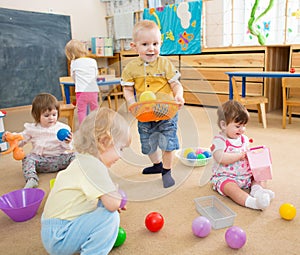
(13, 140)
(260, 163)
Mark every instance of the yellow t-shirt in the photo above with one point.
(154, 76)
(77, 188)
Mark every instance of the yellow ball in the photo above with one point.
(147, 96)
(287, 211)
(187, 151)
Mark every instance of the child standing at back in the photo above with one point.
(48, 154)
(81, 211)
(151, 72)
(231, 172)
(84, 71)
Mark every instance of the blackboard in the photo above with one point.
(32, 55)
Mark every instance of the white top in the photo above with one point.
(44, 140)
(84, 71)
(77, 188)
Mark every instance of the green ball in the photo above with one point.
(201, 156)
(121, 237)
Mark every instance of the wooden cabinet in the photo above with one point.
(295, 58)
(126, 56)
(205, 82)
(112, 62)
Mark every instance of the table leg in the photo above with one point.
(67, 94)
(243, 86)
(230, 88)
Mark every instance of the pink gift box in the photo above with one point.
(260, 163)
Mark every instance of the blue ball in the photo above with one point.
(207, 154)
(191, 155)
(62, 134)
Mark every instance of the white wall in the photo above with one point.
(87, 17)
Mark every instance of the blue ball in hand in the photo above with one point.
(63, 134)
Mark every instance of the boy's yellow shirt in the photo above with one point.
(155, 76)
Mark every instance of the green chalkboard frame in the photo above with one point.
(32, 55)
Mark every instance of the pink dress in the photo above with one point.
(239, 171)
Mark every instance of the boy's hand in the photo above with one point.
(180, 100)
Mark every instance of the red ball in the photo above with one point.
(292, 70)
(154, 221)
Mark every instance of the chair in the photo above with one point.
(67, 111)
(71, 89)
(116, 92)
(289, 99)
(259, 101)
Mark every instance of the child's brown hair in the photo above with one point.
(75, 49)
(232, 111)
(42, 103)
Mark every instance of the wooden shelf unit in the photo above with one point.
(112, 62)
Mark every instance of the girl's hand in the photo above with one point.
(4, 136)
(243, 155)
(122, 209)
(69, 138)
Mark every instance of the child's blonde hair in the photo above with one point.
(141, 25)
(43, 102)
(75, 49)
(232, 111)
(101, 129)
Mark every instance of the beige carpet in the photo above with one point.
(266, 232)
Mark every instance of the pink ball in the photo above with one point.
(199, 151)
(201, 226)
(235, 237)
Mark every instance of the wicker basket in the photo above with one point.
(154, 110)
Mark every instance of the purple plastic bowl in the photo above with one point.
(21, 205)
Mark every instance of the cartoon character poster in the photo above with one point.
(180, 26)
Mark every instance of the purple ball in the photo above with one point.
(124, 198)
(235, 237)
(201, 226)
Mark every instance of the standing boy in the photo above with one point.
(151, 72)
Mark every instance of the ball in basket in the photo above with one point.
(147, 96)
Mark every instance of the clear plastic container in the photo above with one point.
(219, 215)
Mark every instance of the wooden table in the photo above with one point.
(110, 82)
